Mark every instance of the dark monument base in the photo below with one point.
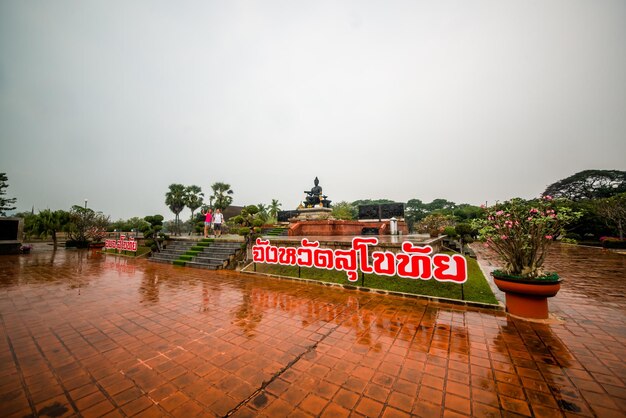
(10, 231)
(10, 247)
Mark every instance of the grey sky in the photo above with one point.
(471, 101)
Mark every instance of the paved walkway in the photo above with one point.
(91, 335)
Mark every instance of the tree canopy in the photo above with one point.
(589, 184)
(222, 195)
(175, 200)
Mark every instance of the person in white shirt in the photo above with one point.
(218, 218)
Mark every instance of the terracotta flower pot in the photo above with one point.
(527, 298)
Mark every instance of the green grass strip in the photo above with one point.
(179, 263)
(476, 289)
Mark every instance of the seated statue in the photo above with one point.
(315, 197)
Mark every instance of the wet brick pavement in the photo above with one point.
(84, 334)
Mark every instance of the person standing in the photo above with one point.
(208, 219)
(218, 218)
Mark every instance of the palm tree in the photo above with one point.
(175, 200)
(49, 223)
(193, 200)
(274, 208)
(262, 213)
(221, 195)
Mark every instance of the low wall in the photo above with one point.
(342, 228)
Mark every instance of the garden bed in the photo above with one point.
(476, 289)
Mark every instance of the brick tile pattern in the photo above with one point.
(95, 335)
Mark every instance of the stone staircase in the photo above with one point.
(278, 231)
(207, 254)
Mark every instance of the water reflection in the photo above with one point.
(249, 313)
(590, 272)
(542, 355)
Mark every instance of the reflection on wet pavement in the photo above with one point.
(92, 333)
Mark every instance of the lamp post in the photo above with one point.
(85, 203)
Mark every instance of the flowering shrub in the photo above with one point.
(613, 242)
(433, 224)
(520, 232)
(96, 233)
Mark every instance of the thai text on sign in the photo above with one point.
(412, 263)
(121, 244)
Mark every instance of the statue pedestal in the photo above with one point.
(313, 214)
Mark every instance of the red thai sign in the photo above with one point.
(412, 263)
(121, 244)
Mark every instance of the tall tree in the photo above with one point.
(589, 184)
(175, 200)
(221, 195)
(193, 200)
(613, 210)
(6, 204)
(274, 208)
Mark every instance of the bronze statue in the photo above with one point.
(315, 197)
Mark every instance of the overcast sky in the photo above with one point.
(470, 101)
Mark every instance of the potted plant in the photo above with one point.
(520, 232)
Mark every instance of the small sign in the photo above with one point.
(121, 244)
(412, 263)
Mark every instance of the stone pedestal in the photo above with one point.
(313, 214)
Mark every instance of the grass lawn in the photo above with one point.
(476, 289)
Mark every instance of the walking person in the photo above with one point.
(208, 219)
(218, 218)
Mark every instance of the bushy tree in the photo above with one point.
(344, 211)
(152, 232)
(175, 200)
(357, 203)
(434, 224)
(589, 184)
(134, 223)
(85, 224)
(613, 209)
(221, 195)
(49, 223)
(248, 223)
(6, 204)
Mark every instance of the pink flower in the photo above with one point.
(500, 212)
(547, 197)
(548, 236)
(504, 237)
